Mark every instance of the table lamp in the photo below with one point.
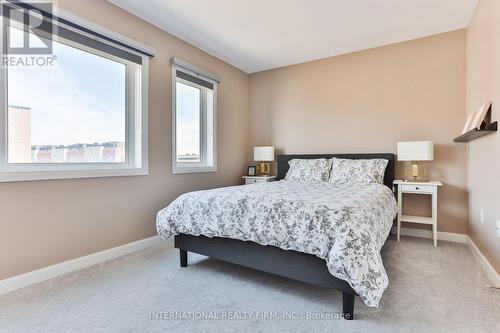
(415, 151)
(263, 155)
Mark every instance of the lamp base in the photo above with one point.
(263, 169)
(415, 173)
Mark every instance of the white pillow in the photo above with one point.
(308, 170)
(348, 171)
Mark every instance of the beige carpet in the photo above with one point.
(431, 290)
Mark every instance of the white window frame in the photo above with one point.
(194, 167)
(136, 131)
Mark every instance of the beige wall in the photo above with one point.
(367, 102)
(46, 222)
(483, 83)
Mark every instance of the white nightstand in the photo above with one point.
(258, 179)
(429, 188)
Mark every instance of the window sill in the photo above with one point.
(183, 170)
(18, 176)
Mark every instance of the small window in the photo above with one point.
(194, 121)
(75, 112)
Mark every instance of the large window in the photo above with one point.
(194, 120)
(77, 112)
(71, 112)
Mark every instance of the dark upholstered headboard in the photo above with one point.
(389, 171)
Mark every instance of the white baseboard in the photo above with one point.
(50, 272)
(491, 273)
(46, 273)
(441, 235)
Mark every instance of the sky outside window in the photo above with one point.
(188, 101)
(80, 99)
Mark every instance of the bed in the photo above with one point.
(259, 226)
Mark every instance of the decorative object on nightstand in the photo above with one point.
(263, 155)
(252, 170)
(429, 188)
(415, 151)
(258, 179)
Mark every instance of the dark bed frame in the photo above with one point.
(286, 263)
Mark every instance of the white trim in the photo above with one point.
(491, 273)
(50, 272)
(18, 176)
(183, 168)
(59, 12)
(441, 235)
(180, 170)
(142, 126)
(194, 70)
(3, 109)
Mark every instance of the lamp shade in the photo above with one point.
(263, 154)
(416, 151)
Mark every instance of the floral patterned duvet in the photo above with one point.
(346, 225)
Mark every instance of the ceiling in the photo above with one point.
(255, 35)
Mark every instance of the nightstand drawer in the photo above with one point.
(417, 189)
(258, 179)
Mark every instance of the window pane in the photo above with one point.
(71, 112)
(188, 101)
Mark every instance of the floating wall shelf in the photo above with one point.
(487, 126)
(477, 133)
